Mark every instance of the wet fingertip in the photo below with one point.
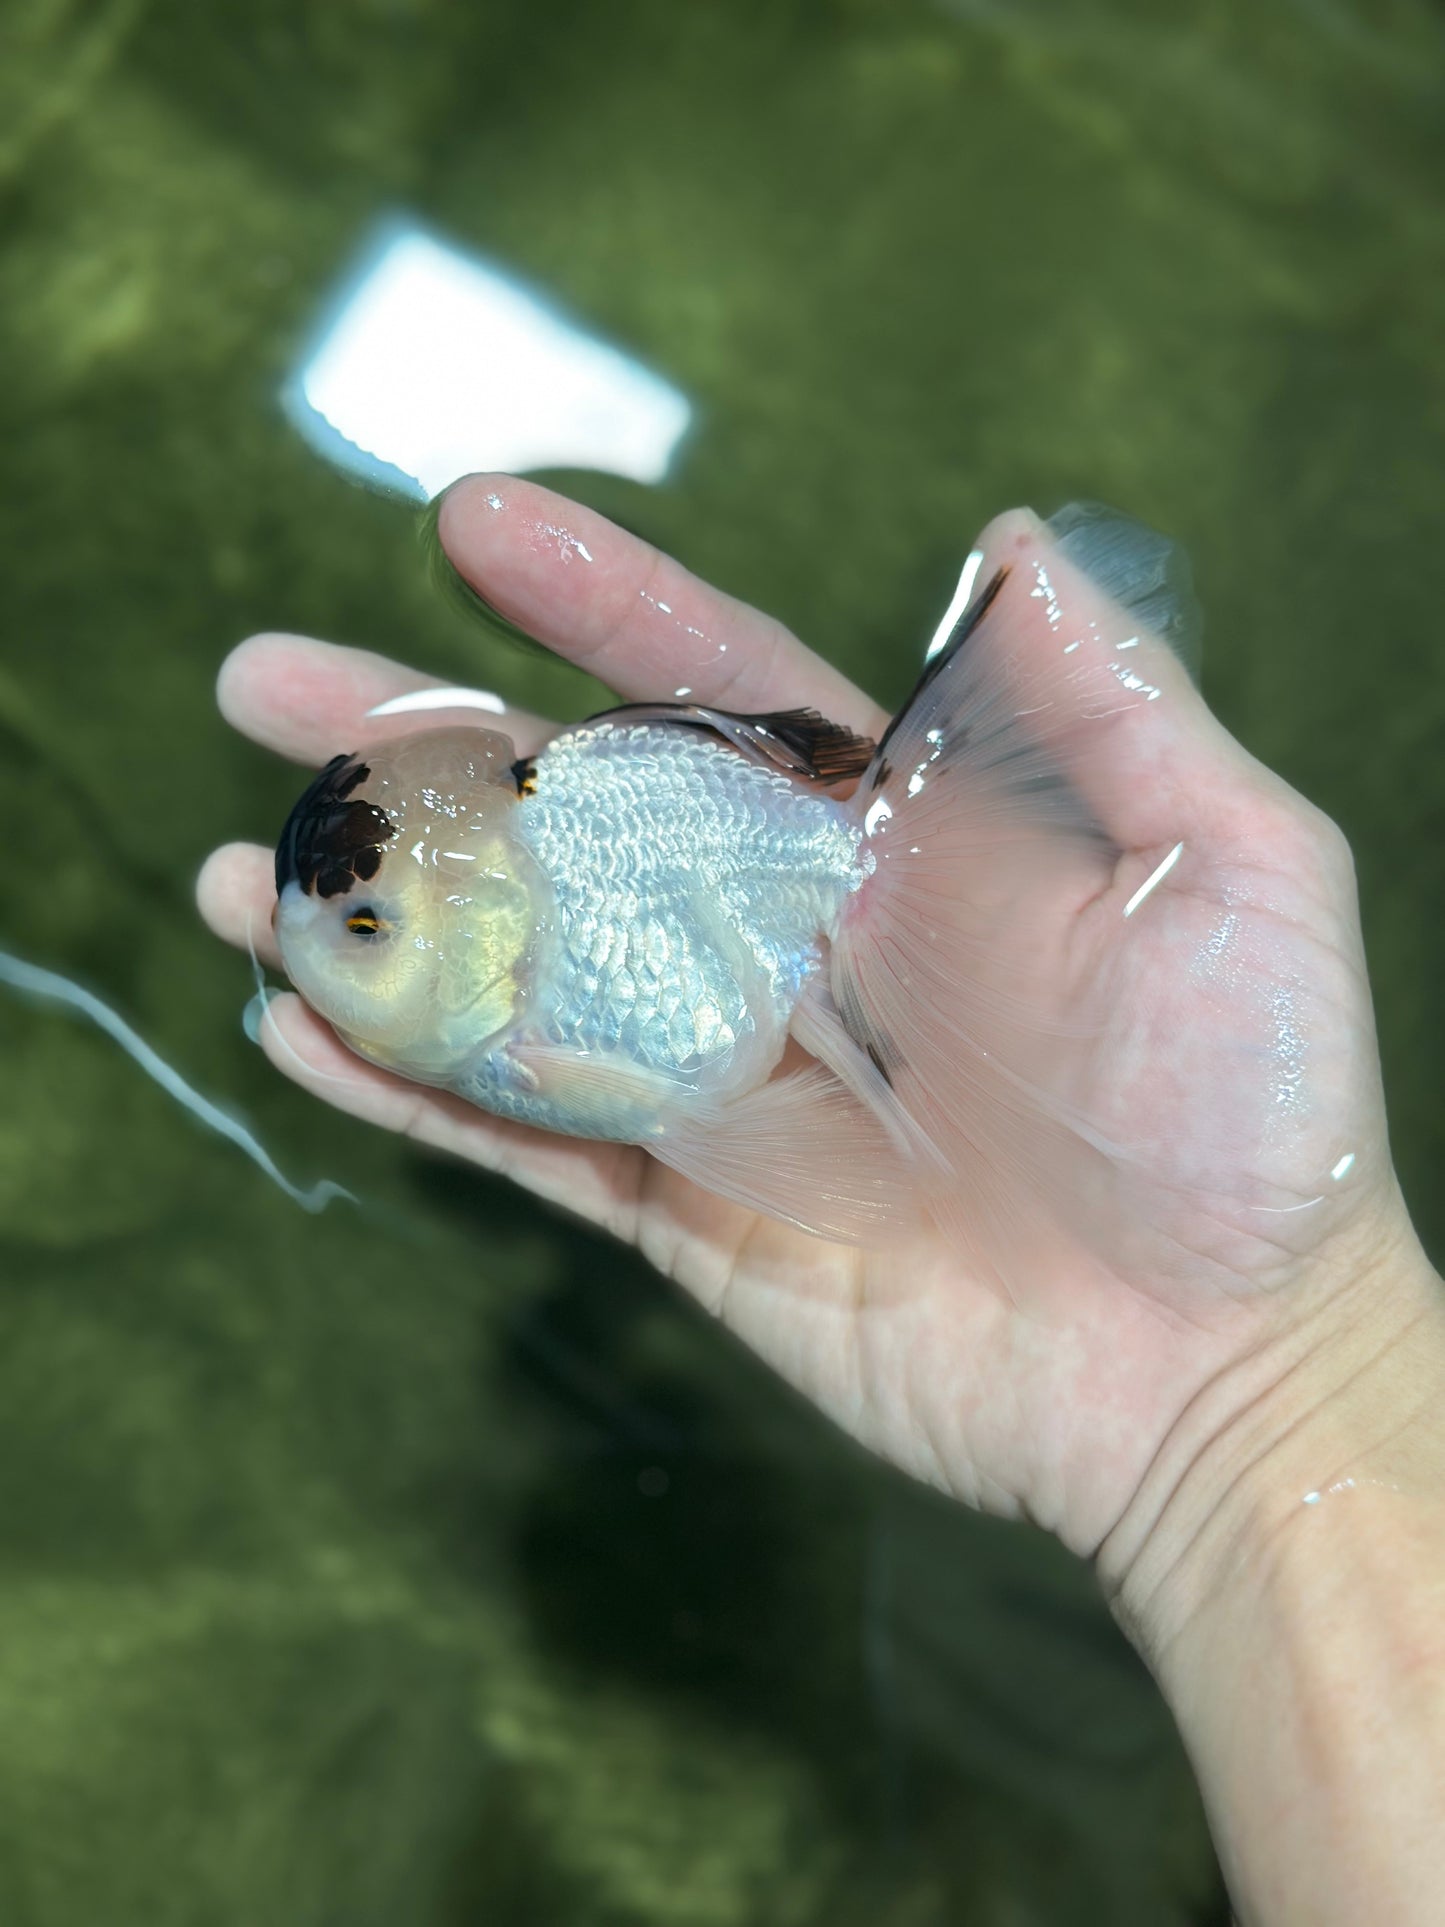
(455, 524)
(204, 889)
(1016, 528)
(302, 1045)
(311, 1039)
(237, 675)
(281, 1028)
(228, 875)
(253, 1015)
(210, 890)
(261, 1024)
(463, 502)
(228, 678)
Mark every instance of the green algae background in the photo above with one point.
(427, 1562)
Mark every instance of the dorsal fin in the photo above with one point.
(799, 741)
(934, 667)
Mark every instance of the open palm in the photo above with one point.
(1222, 1095)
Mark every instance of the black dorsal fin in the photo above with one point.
(799, 741)
(958, 636)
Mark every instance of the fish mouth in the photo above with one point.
(332, 840)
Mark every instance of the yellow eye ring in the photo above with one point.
(364, 923)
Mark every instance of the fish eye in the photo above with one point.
(364, 922)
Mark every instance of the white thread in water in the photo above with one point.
(49, 987)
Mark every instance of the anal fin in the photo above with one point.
(802, 1149)
(867, 1066)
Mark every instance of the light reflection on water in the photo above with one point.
(433, 363)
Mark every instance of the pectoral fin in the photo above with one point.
(599, 1094)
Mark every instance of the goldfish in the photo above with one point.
(783, 957)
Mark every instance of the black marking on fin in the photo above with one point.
(328, 843)
(799, 741)
(966, 626)
(524, 775)
(883, 1055)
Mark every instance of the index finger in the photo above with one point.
(627, 613)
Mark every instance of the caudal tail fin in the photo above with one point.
(997, 808)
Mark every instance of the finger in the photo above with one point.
(235, 894)
(1135, 735)
(630, 615)
(600, 1182)
(308, 700)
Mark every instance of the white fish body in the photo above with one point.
(692, 893)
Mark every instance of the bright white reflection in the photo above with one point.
(434, 364)
(1152, 881)
(422, 699)
(962, 596)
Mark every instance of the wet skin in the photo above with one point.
(1069, 1409)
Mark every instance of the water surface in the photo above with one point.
(429, 1562)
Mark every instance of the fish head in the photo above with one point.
(407, 908)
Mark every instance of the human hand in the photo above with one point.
(1229, 1064)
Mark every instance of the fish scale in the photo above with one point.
(654, 839)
